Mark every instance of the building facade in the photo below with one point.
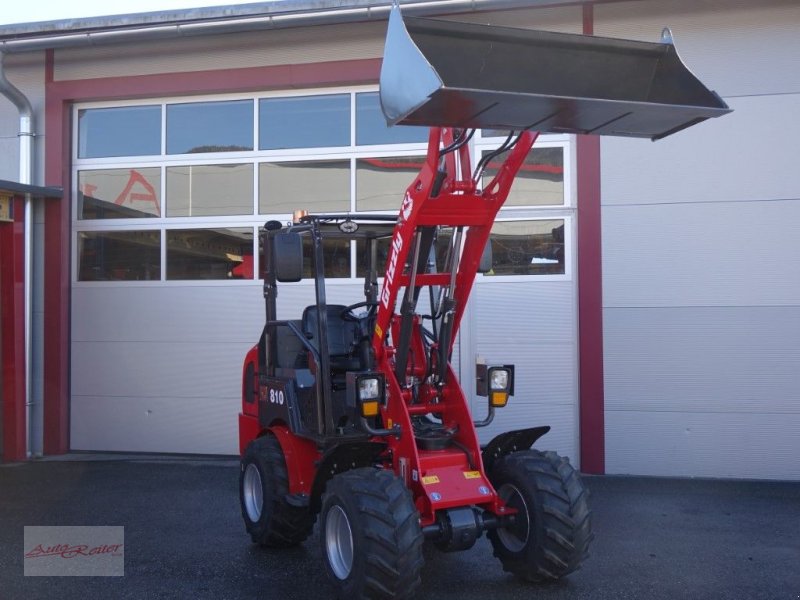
(647, 292)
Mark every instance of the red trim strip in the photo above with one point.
(12, 335)
(590, 297)
(56, 273)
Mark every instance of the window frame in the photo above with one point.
(254, 220)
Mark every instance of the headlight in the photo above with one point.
(369, 389)
(498, 380)
(366, 392)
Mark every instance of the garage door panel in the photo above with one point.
(524, 313)
(168, 314)
(135, 424)
(146, 369)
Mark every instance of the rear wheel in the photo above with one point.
(263, 485)
(370, 534)
(550, 536)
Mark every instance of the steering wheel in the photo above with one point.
(347, 313)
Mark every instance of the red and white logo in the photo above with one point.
(406, 208)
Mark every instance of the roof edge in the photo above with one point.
(34, 36)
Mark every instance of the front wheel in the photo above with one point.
(550, 535)
(371, 538)
(263, 485)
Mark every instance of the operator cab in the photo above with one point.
(315, 353)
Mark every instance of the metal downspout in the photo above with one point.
(25, 177)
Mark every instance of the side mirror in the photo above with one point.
(288, 257)
(486, 258)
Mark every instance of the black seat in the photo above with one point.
(342, 336)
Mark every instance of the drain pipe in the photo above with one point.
(26, 134)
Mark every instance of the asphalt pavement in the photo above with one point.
(184, 538)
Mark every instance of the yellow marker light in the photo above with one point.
(369, 408)
(498, 399)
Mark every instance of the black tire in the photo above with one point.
(263, 484)
(552, 532)
(371, 537)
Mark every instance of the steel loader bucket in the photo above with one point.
(442, 73)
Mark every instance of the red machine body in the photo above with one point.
(438, 479)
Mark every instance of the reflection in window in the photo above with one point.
(119, 193)
(528, 247)
(210, 253)
(381, 182)
(304, 122)
(209, 190)
(123, 131)
(318, 186)
(119, 255)
(371, 127)
(441, 249)
(381, 255)
(210, 127)
(540, 181)
(336, 258)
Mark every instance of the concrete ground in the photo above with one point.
(184, 538)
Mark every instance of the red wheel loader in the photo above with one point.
(353, 413)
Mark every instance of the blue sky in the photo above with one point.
(50, 10)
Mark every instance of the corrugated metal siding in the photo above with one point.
(700, 256)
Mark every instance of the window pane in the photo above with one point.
(318, 186)
(336, 258)
(119, 255)
(119, 193)
(209, 190)
(381, 255)
(304, 122)
(381, 182)
(125, 131)
(371, 127)
(539, 182)
(210, 127)
(528, 247)
(210, 253)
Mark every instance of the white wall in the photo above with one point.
(700, 255)
(301, 45)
